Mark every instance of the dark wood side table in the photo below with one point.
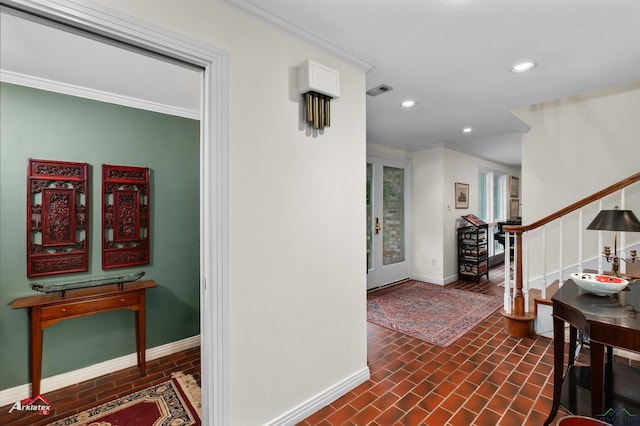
(51, 308)
(605, 321)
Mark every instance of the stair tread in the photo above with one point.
(537, 298)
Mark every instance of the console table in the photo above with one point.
(51, 308)
(610, 321)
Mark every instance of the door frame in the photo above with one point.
(214, 182)
(405, 163)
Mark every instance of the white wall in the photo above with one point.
(428, 215)
(577, 146)
(297, 214)
(435, 172)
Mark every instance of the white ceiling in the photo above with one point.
(51, 57)
(454, 59)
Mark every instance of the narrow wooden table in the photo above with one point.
(610, 321)
(51, 308)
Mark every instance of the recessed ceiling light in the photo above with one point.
(408, 103)
(467, 130)
(523, 67)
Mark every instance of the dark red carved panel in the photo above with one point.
(125, 216)
(57, 217)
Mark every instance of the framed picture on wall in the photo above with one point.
(514, 208)
(514, 187)
(462, 195)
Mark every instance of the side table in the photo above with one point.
(51, 308)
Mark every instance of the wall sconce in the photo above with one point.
(616, 220)
(318, 84)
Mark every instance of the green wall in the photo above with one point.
(44, 125)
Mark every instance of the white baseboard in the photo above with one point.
(323, 399)
(438, 281)
(48, 384)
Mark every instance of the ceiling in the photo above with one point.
(53, 57)
(453, 57)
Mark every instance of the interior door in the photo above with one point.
(387, 222)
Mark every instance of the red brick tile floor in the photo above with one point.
(484, 378)
(82, 396)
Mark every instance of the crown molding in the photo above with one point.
(96, 95)
(300, 33)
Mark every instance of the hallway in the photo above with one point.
(484, 378)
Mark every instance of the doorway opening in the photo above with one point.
(108, 25)
(388, 221)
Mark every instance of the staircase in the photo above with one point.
(535, 276)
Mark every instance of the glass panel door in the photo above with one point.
(369, 216)
(393, 215)
(387, 214)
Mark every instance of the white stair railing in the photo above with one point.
(508, 302)
(544, 261)
(512, 287)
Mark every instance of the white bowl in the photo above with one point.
(601, 285)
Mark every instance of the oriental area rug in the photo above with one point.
(429, 312)
(175, 402)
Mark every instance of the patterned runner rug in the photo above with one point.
(429, 312)
(171, 403)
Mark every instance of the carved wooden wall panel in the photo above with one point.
(125, 216)
(57, 218)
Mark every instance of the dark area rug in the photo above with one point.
(429, 312)
(171, 403)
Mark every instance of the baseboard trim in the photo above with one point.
(431, 280)
(322, 399)
(48, 384)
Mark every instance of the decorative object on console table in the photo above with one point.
(125, 216)
(473, 254)
(461, 194)
(62, 287)
(616, 220)
(57, 218)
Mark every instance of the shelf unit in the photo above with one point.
(473, 253)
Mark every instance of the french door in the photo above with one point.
(388, 209)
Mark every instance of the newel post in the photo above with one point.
(518, 296)
(518, 323)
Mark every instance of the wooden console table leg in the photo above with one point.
(140, 335)
(573, 338)
(36, 350)
(597, 385)
(558, 366)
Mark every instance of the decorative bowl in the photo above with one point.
(601, 285)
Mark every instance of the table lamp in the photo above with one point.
(616, 220)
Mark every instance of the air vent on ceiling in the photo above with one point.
(379, 90)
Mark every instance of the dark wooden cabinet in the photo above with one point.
(473, 252)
